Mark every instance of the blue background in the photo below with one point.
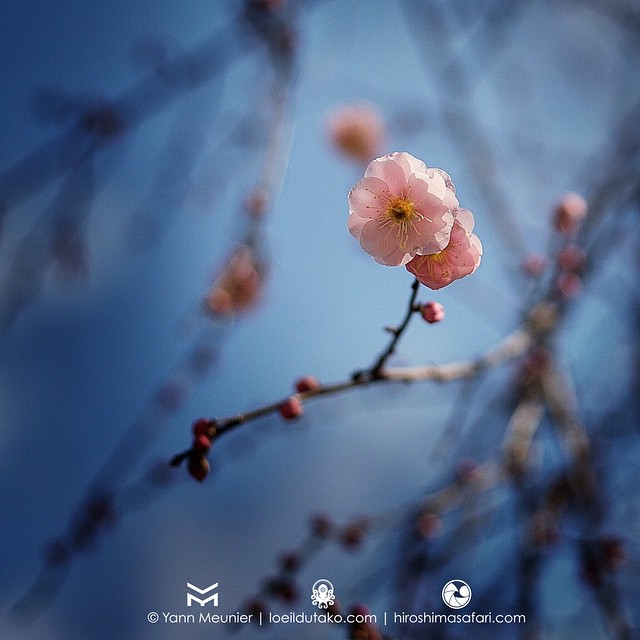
(546, 85)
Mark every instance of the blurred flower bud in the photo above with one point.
(534, 264)
(321, 525)
(572, 258)
(569, 212)
(569, 285)
(356, 131)
(354, 534)
(428, 525)
(292, 408)
(290, 561)
(307, 383)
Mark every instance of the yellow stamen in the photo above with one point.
(400, 210)
(401, 213)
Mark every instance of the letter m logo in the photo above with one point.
(191, 598)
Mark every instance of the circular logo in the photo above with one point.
(322, 594)
(456, 594)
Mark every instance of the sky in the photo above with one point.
(517, 102)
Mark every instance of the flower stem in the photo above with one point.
(376, 370)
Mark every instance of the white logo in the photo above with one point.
(322, 594)
(456, 594)
(191, 598)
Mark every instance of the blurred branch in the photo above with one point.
(133, 107)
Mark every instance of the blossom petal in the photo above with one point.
(395, 259)
(355, 224)
(460, 258)
(377, 241)
(435, 233)
(368, 197)
(388, 169)
(409, 163)
(465, 219)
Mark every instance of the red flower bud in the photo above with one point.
(432, 312)
(307, 383)
(292, 408)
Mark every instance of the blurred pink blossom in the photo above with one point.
(401, 209)
(572, 258)
(356, 131)
(569, 212)
(239, 285)
(458, 259)
(569, 285)
(534, 264)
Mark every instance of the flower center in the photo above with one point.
(435, 265)
(400, 210)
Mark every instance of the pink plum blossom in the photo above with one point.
(402, 209)
(459, 258)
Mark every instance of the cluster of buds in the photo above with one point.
(568, 214)
(571, 260)
(95, 516)
(204, 431)
(283, 587)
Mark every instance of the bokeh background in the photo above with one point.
(133, 135)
